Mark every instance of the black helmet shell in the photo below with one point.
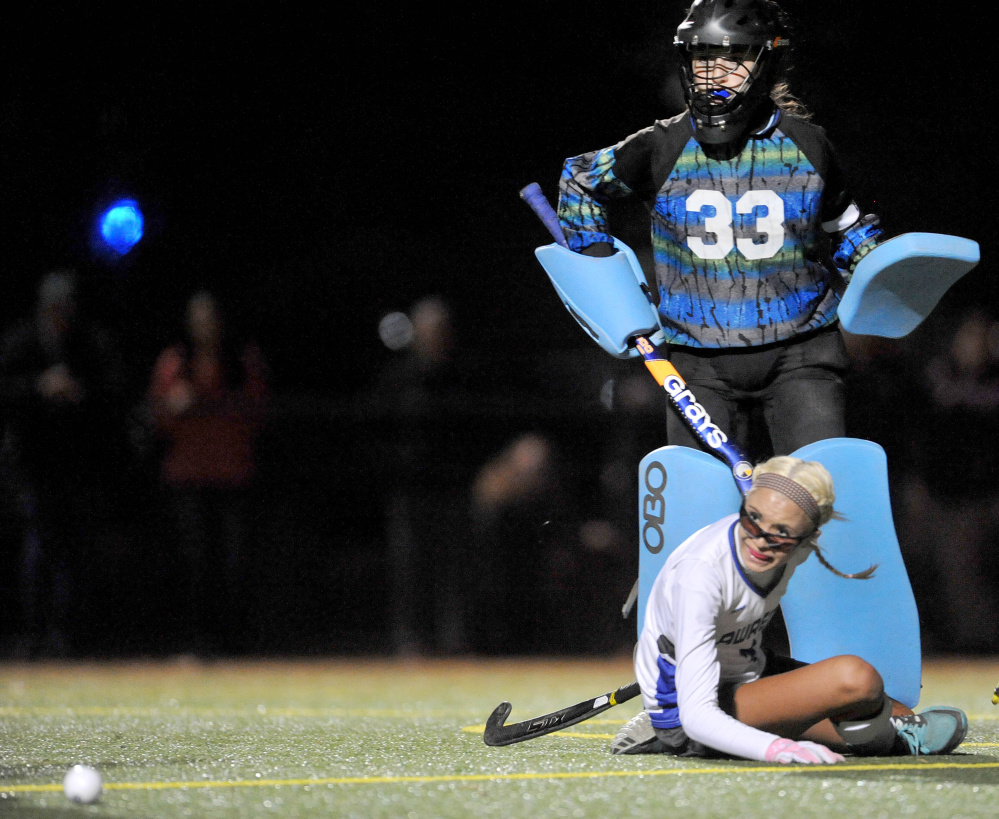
(732, 22)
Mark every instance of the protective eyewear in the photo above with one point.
(779, 543)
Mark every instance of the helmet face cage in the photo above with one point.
(722, 38)
(711, 93)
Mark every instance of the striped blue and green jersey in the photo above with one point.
(742, 245)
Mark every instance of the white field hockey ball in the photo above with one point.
(82, 784)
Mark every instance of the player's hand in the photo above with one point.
(786, 751)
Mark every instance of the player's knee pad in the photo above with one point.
(607, 296)
(872, 736)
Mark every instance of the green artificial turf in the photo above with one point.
(398, 739)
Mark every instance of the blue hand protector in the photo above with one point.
(607, 296)
(898, 283)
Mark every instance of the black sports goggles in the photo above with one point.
(780, 543)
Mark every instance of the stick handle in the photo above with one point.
(538, 202)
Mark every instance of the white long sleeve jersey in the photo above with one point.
(704, 621)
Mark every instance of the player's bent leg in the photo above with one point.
(804, 700)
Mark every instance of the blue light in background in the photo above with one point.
(121, 225)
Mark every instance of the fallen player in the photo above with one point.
(708, 687)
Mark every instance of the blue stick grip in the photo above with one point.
(536, 200)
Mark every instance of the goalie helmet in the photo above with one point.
(721, 39)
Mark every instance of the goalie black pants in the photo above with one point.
(797, 387)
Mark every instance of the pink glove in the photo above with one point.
(807, 753)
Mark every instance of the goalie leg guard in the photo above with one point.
(605, 295)
(682, 489)
(875, 619)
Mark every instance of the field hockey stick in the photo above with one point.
(497, 733)
(683, 401)
(698, 421)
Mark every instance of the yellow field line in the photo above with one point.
(390, 780)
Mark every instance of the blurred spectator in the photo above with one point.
(635, 429)
(421, 397)
(950, 519)
(60, 391)
(526, 550)
(208, 400)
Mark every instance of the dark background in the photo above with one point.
(322, 168)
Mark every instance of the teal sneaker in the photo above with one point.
(937, 730)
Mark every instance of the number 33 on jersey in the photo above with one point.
(763, 207)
